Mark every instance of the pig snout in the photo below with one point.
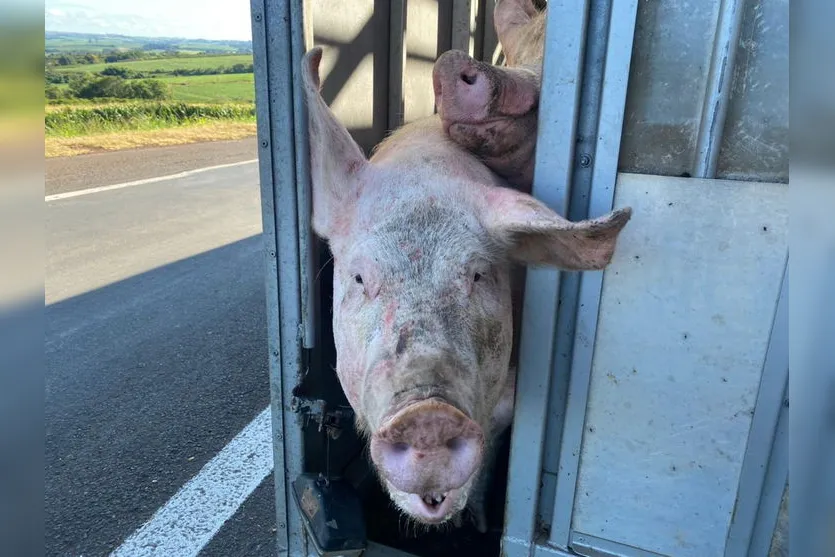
(429, 450)
(463, 92)
(469, 91)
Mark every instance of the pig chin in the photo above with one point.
(495, 137)
(432, 509)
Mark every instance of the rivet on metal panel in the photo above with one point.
(275, 353)
(264, 143)
(585, 160)
(272, 253)
(257, 17)
(279, 436)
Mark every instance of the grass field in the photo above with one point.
(214, 89)
(114, 141)
(166, 64)
(237, 88)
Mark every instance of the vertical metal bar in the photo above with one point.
(490, 41)
(767, 410)
(565, 30)
(397, 63)
(812, 366)
(299, 30)
(463, 25)
(265, 163)
(775, 483)
(718, 90)
(621, 31)
(273, 63)
(593, 65)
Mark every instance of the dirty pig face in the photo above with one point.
(421, 299)
(422, 324)
(423, 237)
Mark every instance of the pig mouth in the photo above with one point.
(432, 508)
(473, 122)
(434, 500)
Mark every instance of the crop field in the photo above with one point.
(88, 120)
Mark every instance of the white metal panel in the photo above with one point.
(686, 312)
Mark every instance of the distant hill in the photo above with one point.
(59, 42)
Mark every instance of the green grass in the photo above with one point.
(71, 121)
(165, 64)
(221, 88)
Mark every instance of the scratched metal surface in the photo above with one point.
(686, 313)
(671, 59)
(755, 144)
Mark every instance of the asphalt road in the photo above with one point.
(101, 169)
(155, 346)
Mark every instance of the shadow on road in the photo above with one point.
(146, 379)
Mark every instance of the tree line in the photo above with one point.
(91, 86)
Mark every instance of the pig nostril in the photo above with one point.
(468, 79)
(455, 444)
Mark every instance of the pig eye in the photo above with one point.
(358, 279)
(476, 277)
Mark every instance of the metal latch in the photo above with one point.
(332, 419)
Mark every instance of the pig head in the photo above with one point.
(423, 238)
(492, 111)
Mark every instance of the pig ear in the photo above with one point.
(335, 158)
(510, 16)
(534, 234)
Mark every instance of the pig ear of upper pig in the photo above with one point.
(336, 161)
(510, 16)
(533, 234)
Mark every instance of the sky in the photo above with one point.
(191, 19)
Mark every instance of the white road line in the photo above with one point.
(77, 193)
(186, 523)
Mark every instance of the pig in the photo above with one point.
(423, 238)
(492, 111)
